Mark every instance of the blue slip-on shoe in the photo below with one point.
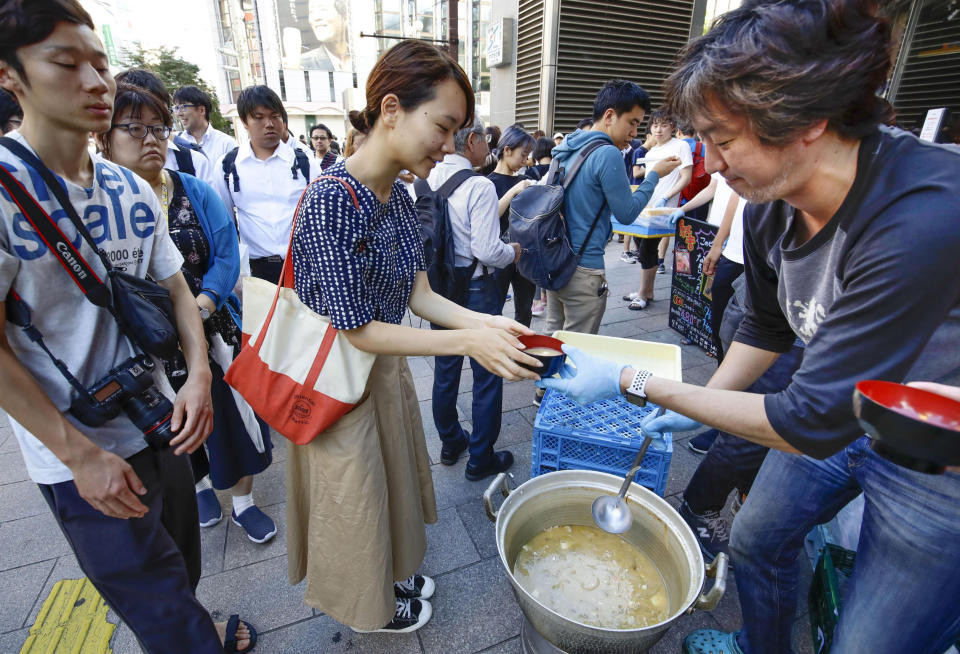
(711, 641)
(258, 525)
(208, 506)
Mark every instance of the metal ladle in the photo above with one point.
(612, 513)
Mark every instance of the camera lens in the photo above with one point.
(151, 411)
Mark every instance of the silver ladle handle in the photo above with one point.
(637, 461)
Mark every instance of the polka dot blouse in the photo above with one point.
(356, 266)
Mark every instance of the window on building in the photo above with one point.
(226, 25)
(306, 84)
(283, 87)
(333, 88)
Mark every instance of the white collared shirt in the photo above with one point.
(295, 143)
(202, 167)
(267, 198)
(474, 216)
(214, 143)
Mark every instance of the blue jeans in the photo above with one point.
(904, 594)
(483, 295)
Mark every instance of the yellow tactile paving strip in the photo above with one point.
(72, 620)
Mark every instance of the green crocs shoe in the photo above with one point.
(711, 641)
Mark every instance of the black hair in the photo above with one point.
(622, 96)
(194, 95)
(514, 137)
(754, 63)
(585, 122)
(544, 148)
(25, 22)
(259, 96)
(663, 115)
(146, 80)
(324, 128)
(136, 99)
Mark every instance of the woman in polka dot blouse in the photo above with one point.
(360, 494)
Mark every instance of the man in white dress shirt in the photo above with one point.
(192, 107)
(474, 217)
(263, 180)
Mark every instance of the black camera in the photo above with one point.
(129, 388)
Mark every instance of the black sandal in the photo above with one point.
(230, 638)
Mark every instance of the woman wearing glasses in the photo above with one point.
(239, 445)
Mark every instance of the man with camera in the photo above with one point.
(84, 397)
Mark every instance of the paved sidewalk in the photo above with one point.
(474, 607)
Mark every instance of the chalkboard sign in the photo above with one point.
(690, 294)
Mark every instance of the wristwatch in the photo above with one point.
(204, 313)
(635, 392)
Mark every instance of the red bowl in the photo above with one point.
(912, 427)
(552, 364)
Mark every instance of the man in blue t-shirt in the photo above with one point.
(850, 244)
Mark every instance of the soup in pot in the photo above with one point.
(587, 575)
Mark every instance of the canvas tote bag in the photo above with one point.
(297, 371)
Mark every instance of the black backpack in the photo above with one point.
(300, 162)
(437, 235)
(184, 162)
(538, 225)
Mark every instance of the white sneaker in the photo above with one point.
(627, 257)
(411, 615)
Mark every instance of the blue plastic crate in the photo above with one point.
(603, 436)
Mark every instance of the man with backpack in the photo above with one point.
(600, 188)
(263, 180)
(463, 221)
(193, 107)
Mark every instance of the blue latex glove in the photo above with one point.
(670, 421)
(662, 202)
(593, 379)
(676, 215)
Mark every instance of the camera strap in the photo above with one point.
(94, 289)
(19, 314)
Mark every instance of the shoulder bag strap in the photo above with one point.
(452, 184)
(580, 159)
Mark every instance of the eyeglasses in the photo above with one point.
(319, 138)
(177, 108)
(139, 130)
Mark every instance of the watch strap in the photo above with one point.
(636, 391)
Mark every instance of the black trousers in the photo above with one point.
(146, 569)
(523, 292)
(268, 268)
(727, 273)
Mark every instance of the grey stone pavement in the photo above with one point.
(474, 607)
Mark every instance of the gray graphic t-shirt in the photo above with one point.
(875, 294)
(124, 218)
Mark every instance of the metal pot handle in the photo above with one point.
(499, 483)
(718, 570)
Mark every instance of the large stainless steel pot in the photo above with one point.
(564, 498)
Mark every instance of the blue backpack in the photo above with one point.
(538, 225)
(437, 236)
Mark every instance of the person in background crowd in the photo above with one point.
(557, 138)
(537, 134)
(288, 138)
(303, 140)
(11, 115)
(239, 445)
(335, 146)
(666, 194)
(265, 182)
(127, 511)
(834, 254)
(477, 237)
(321, 137)
(493, 141)
(542, 156)
(686, 133)
(187, 160)
(374, 459)
(355, 139)
(585, 124)
(515, 147)
(600, 186)
(192, 107)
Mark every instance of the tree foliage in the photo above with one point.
(175, 72)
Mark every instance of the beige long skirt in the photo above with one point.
(358, 497)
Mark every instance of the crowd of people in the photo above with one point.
(814, 289)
